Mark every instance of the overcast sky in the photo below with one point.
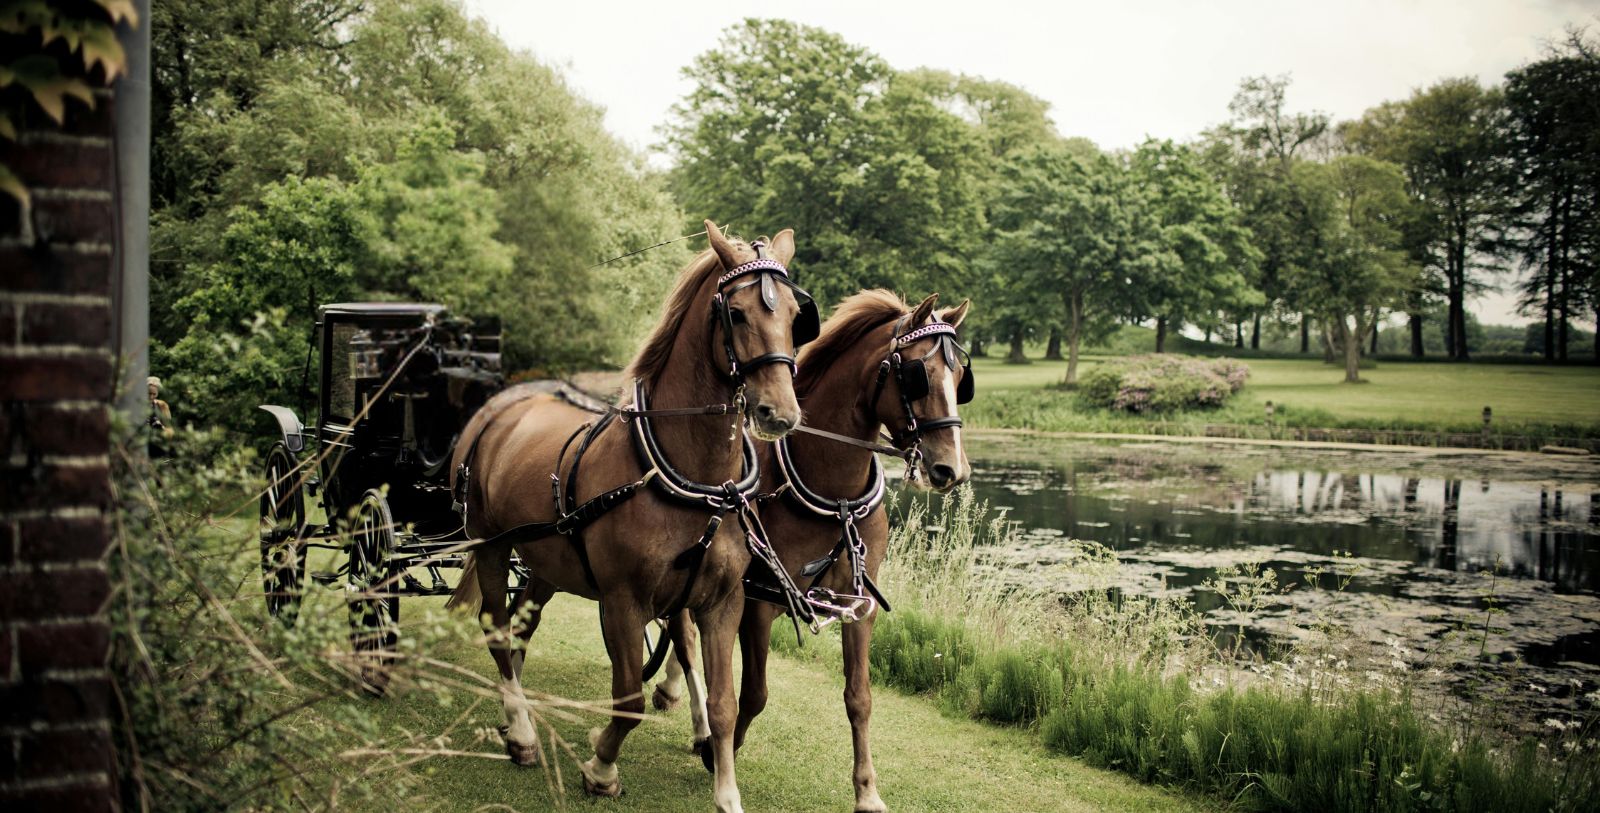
(1112, 72)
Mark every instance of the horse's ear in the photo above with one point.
(923, 311)
(721, 245)
(956, 314)
(783, 246)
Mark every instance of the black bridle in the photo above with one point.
(911, 380)
(768, 273)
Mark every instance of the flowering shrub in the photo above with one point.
(1160, 382)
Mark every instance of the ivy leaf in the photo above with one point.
(100, 45)
(12, 185)
(40, 75)
(120, 11)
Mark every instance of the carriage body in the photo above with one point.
(396, 384)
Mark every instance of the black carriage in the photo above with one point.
(397, 382)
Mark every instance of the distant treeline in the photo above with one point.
(930, 181)
(309, 151)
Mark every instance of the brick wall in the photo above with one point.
(56, 374)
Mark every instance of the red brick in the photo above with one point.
(86, 798)
(84, 325)
(72, 593)
(57, 269)
(34, 484)
(8, 653)
(72, 220)
(51, 752)
(49, 539)
(50, 430)
(78, 645)
(56, 701)
(59, 163)
(80, 119)
(42, 378)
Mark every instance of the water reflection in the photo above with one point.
(1527, 530)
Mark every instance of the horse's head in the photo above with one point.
(759, 317)
(929, 376)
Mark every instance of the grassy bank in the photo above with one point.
(1133, 684)
(1546, 402)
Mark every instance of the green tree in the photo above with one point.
(790, 125)
(1357, 264)
(1253, 156)
(1202, 255)
(1446, 138)
(1553, 145)
(1064, 232)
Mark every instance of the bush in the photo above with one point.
(1161, 382)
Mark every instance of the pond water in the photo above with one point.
(1444, 560)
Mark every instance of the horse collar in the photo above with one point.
(852, 509)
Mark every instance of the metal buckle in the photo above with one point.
(830, 607)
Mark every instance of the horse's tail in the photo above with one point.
(468, 595)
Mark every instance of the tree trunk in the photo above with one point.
(1352, 349)
(1052, 348)
(1597, 333)
(1016, 356)
(1374, 352)
(1458, 296)
(1550, 285)
(1208, 335)
(1161, 334)
(1255, 332)
(977, 347)
(1418, 349)
(1074, 335)
(1305, 333)
(1329, 352)
(1238, 334)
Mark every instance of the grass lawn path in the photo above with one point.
(797, 757)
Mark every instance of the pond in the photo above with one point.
(1470, 567)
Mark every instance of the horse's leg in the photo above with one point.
(526, 613)
(857, 640)
(684, 641)
(669, 690)
(717, 631)
(622, 623)
(755, 638)
(493, 571)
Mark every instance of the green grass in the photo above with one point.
(798, 756)
(1526, 399)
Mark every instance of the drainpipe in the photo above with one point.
(132, 141)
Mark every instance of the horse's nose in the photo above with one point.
(941, 475)
(769, 418)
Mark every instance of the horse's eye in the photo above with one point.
(738, 316)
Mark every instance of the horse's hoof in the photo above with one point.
(526, 756)
(708, 755)
(663, 701)
(609, 790)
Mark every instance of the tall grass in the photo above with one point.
(1133, 684)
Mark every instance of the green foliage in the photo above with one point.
(789, 125)
(1162, 382)
(397, 151)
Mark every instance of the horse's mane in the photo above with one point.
(855, 317)
(652, 357)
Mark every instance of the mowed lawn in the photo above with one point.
(797, 758)
(1449, 394)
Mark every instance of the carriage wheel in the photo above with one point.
(283, 520)
(374, 607)
(656, 649)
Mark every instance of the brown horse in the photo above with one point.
(848, 385)
(709, 347)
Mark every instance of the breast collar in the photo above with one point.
(673, 483)
(805, 497)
